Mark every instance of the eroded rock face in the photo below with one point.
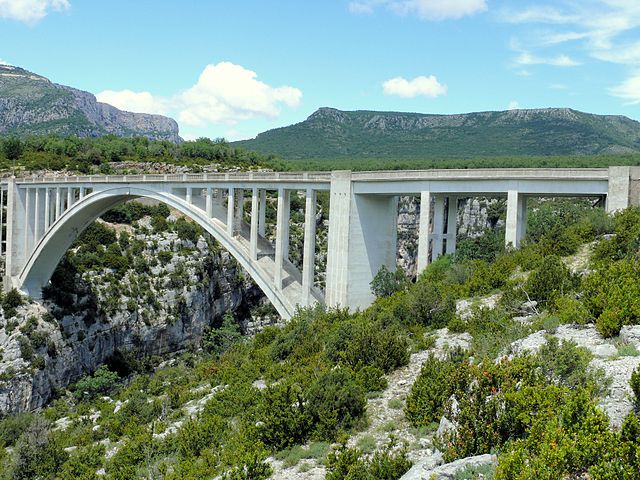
(186, 295)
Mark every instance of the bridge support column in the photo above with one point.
(362, 238)
(309, 254)
(47, 208)
(231, 202)
(516, 219)
(209, 202)
(624, 188)
(282, 235)
(69, 198)
(424, 232)
(16, 229)
(253, 236)
(36, 224)
(58, 199)
(438, 228)
(452, 224)
(262, 213)
(239, 211)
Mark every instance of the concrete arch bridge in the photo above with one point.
(42, 216)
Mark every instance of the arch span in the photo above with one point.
(57, 240)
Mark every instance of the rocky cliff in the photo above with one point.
(32, 104)
(49, 345)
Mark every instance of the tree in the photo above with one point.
(12, 148)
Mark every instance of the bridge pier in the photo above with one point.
(362, 238)
(516, 223)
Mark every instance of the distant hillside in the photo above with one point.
(31, 104)
(329, 134)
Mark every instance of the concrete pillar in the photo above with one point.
(282, 232)
(209, 203)
(253, 237)
(189, 195)
(452, 224)
(58, 200)
(309, 249)
(287, 228)
(239, 210)
(82, 192)
(69, 198)
(362, 238)
(516, 216)
(231, 201)
(47, 208)
(16, 225)
(624, 188)
(262, 214)
(27, 216)
(36, 223)
(424, 234)
(438, 228)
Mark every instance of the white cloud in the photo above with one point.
(598, 24)
(558, 86)
(424, 9)
(419, 86)
(628, 90)
(2, 62)
(537, 14)
(228, 93)
(513, 105)
(141, 102)
(526, 58)
(30, 11)
(225, 93)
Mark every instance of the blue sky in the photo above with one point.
(236, 68)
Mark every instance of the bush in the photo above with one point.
(430, 304)
(371, 378)
(430, 391)
(335, 402)
(283, 419)
(38, 452)
(550, 281)
(386, 283)
(198, 434)
(612, 294)
(101, 382)
(349, 464)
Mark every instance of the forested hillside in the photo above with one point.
(331, 134)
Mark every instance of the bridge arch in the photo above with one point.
(50, 249)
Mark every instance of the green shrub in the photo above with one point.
(38, 452)
(430, 391)
(282, 417)
(612, 294)
(349, 464)
(551, 280)
(102, 382)
(199, 434)
(11, 427)
(570, 310)
(371, 378)
(386, 283)
(334, 402)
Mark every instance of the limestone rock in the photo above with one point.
(427, 471)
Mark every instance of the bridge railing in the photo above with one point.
(181, 177)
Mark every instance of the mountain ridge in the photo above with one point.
(33, 104)
(331, 133)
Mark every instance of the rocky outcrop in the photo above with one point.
(31, 104)
(47, 347)
(428, 471)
